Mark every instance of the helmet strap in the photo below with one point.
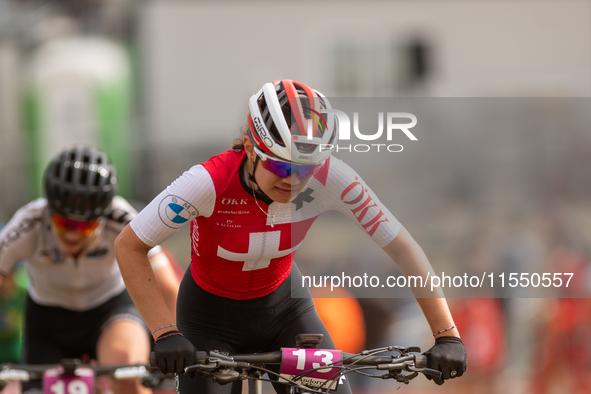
(254, 166)
(252, 178)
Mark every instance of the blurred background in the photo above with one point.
(163, 85)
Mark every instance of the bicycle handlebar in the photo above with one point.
(275, 358)
(216, 366)
(26, 372)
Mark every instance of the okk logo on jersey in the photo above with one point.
(175, 212)
(368, 213)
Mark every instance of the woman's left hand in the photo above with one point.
(448, 355)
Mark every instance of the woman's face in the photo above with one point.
(281, 190)
(72, 240)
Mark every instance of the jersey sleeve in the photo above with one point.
(120, 215)
(190, 195)
(349, 194)
(19, 237)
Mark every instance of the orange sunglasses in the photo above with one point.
(64, 225)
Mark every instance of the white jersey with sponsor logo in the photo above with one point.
(242, 250)
(77, 284)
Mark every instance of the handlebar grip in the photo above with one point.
(200, 356)
(421, 361)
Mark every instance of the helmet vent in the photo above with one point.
(69, 174)
(305, 148)
(269, 123)
(332, 139)
(83, 177)
(67, 198)
(97, 180)
(299, 88)
(275, 133)
(90, 202)
(305, 102)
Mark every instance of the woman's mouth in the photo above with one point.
(283, 191)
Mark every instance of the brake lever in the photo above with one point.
(409, 366)
(406, 378)
(198, 367)
(399, 377)
(426, 371)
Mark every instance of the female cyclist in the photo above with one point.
(77, 303)
(247, 220)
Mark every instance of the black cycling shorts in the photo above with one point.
(54, 333)
(262, 324)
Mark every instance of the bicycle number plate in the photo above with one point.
(80, 383)
(296, 361)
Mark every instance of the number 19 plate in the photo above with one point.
(82, 382)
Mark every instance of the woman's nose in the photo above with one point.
(292, 179)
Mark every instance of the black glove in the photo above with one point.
(174, 352)
(448, 355)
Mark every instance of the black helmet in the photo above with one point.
(80, 183)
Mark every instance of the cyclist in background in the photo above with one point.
(77, 303)
(250, 208)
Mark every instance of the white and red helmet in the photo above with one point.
(286, 121)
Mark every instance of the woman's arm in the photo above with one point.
(173, 351)
(132, 257)
(411, 259)
(167, 279)
(448, 354)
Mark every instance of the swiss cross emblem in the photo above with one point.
(262, 248)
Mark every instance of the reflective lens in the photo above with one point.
(65, 225)
(283, 169)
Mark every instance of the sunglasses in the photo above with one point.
(83, 227)
(284, 169)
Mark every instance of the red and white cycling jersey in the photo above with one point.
(239, 251)
(57, 279)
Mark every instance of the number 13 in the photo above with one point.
(326, 358)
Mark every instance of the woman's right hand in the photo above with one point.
(448, 355)
(174, 352)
